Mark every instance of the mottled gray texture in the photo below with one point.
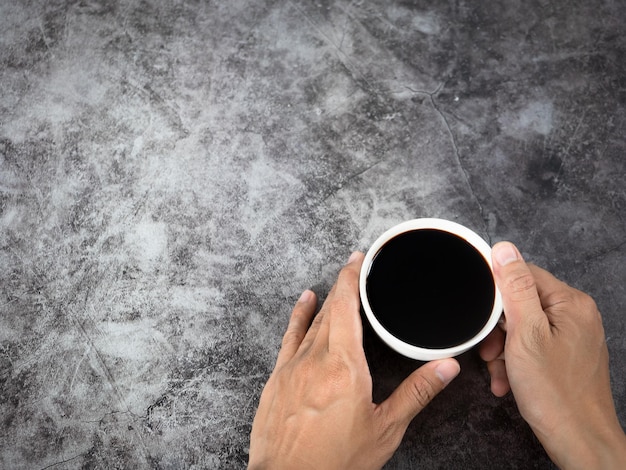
(174, 174)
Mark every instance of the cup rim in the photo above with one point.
(409, 350)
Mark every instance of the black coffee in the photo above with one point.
(430, 288)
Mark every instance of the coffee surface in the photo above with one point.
(430, 288)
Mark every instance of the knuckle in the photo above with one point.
(349, 275)
(582, 306)
(422, 391)
(292, 336)
(536, 337)
(341, 305)
(321, 380)
(521, 285)
(338, 373)
(305, 368)
(587, 304)
(566, 296)
(590, 313)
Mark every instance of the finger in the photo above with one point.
(492, 346)
(499, 379)
(313, 329)
(563, 304)
(549, 288)
(502, 323)
(418, 390)
(298, 326)
(517, 286)
(344, 321)
(318, 332)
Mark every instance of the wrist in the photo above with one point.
(587, 446)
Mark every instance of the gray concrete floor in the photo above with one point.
(174, 174)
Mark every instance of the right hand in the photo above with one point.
(553, 357)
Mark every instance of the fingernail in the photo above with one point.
(306, 296)
(505, 253)
(353, 257)
(447, 370)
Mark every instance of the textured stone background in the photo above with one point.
(174, 173)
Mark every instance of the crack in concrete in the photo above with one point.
(344, 59)
(61, 462)
(431, 96)
(602, 253)
(566, 154)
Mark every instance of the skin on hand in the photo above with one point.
(316, 410)
(554, 358)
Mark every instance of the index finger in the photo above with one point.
(344, 321)
(318, 335)
(549, 288)
(559, 300)
(297, 328)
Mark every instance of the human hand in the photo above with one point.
(553, 357)
(316, 410)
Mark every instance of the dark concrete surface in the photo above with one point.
(174, 174)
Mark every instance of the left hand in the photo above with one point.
(316, 410)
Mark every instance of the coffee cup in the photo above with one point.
(427, 289)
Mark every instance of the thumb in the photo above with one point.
(418, 390)
(517, 286)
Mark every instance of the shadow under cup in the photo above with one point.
(427, 289)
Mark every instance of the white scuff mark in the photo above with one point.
(148, 244)
(85, 354)
(534, 117)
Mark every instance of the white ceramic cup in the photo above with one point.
(402, 347)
